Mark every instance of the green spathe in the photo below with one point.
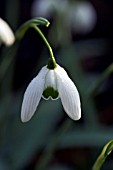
(50, 92)
(51, 64)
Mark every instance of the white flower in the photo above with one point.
(6, 34)
(82, 17)
(51, 84)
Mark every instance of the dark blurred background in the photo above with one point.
(81, 35)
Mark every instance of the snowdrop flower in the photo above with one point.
(84, 16)
(51, 84)
(6, 34)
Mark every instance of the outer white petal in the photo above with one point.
(33, 95)
(68, 94)
(6, 34)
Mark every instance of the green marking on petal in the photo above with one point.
(50, 92)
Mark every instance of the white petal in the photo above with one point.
(68, 94)
(50, 80)
(33, 95)
(6, 34)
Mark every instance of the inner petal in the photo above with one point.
(50, 87)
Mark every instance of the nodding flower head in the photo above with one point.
(6, 34)
(51, 84)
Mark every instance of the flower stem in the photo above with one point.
(52, 62)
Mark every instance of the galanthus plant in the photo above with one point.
(6, 33)
(52, 82)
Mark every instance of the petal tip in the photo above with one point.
(77, 117)
(23, 118)
(74, 115)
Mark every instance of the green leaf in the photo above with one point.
(102, 157)
(30, 23)
(108, 71)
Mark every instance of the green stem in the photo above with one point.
(52, 58)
